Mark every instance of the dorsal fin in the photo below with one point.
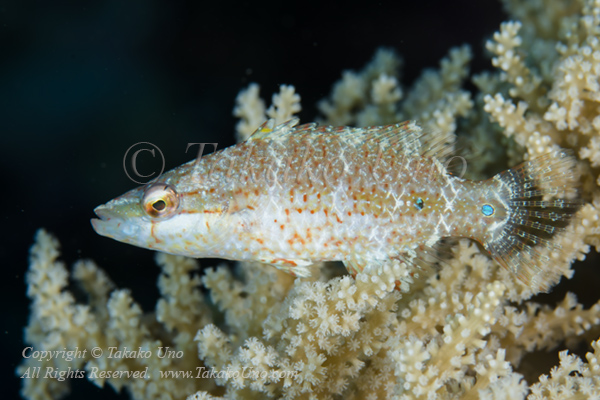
(407, 135)
(404, 134)
(268, 130)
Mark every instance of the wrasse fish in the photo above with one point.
(293, 196)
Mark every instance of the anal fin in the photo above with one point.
(415, 267)
(297, 268)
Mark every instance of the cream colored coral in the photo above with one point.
(306, 330)
(385, 93)
(349, 101)
(251, 109)
(526, 85)
(437, 100)
(111, 321)
(286, 103)
(592, 151)
(343, 336)
(571, 379)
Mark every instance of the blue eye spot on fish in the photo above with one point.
(291, 196)
(419, 203)
(487, 210)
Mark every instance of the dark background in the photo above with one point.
(81, 81)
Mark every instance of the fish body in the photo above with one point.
(293, 196)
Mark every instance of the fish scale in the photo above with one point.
(292, 196)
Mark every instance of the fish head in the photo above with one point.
(172, 216)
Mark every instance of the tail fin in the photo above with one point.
(540, 198)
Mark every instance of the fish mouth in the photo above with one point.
(114, 224)
(104, 213)
(107, 222)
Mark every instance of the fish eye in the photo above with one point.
(160, 200)
(487, 210)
